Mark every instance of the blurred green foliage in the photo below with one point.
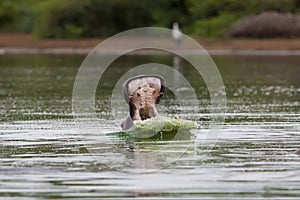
(89, 18)
(100, 18)
(211, 18)
(17, 15)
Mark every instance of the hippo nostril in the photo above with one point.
(138, 94)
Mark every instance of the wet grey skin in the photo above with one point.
(297, 152)
(142, 93)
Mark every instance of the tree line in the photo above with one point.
(102, 18)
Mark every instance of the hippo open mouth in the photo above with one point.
(142, 93)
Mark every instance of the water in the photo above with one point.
(43, 155)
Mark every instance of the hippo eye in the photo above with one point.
(150, 85)
(139, 87)
(138, 94)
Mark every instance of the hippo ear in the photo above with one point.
(161, 91)
(132, 84)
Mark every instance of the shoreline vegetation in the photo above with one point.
(221, 27)
(199, 19)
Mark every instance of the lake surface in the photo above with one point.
(44, 156)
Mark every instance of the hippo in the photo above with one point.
(142, 93)
(297, 152)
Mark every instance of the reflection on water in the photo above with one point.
(43, 155)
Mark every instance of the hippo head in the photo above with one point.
(142, 93)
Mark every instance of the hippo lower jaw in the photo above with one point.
(145, 112)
